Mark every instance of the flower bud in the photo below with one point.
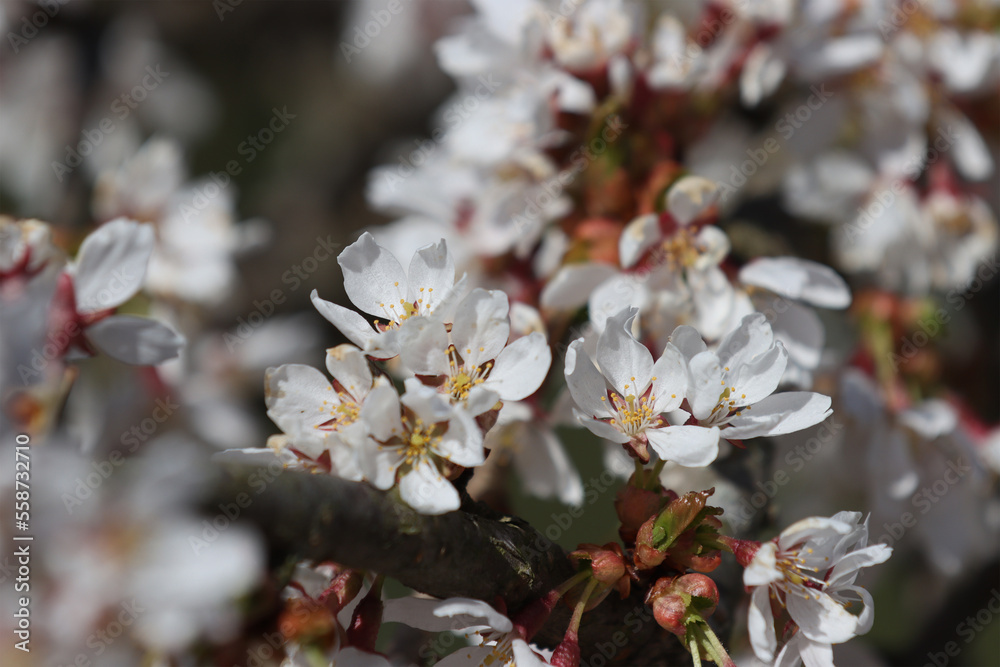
(635, 506)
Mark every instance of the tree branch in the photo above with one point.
(472, 552)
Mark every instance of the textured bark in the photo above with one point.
(473, 552)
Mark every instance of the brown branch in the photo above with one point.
(472, 552)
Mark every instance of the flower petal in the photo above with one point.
(111, 264)
(544, 467)
(778, 414)
(586, 385)
(381, 412)
(423, 345)
(822, 618)
(431, 277)
(760, 624)
(638, 236)
(475, 610)
(521, 367)
(669, 380)
(798, 279)
(706, 384)
(373, 278)
(690, 196)
(624, 361)
(481, 327)
(135, 340)
(349, 366)
(351, 324)
(571, 286)
(462, 444)
(689, 446)
(425, 490)
(601, 429)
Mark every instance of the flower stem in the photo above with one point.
(639, 478)
(565, 586)
(654, 478)
(574, 621)
(695, 651)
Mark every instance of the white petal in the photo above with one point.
(780, 413)
(821, 618)
(462, 444)
(815, 654)
(351, 324)
(481, 322)
(753, 337)
(349, 366)
(419, 613)
(381, 412)
(760, 624)
(111, 264)
(431, 276)
(423, 345)
(761, 75)
(624, 361)
(521, 367)
(135, 340)
(706, 384)
(425, 490)
(846, 568)
(601, 429)
(690, 196)
(798, 328)
(970, 153)
(670, 380)
(689, 446)
(477, 610)
(299, 398)
(607, 298)
(688, 341)
(373, 278)
(544, 468)
(572, 285)
(638, 237)
(586, 385)
(426, 402)
(763, 569)
(524, 656)
(799, 279)
(479, 400)
(759, 378)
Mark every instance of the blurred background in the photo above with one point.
(286, 107)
